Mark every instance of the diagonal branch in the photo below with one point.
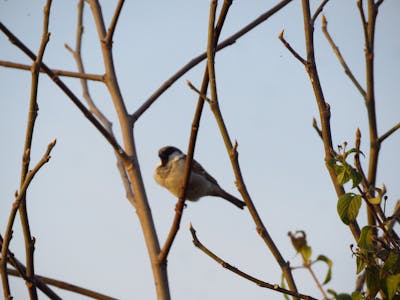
(291, 50)
(235, 270)
(114, 21)
(340, 58)
(66, 286)
(389, 132)
(67, 91)
(192, 63)
(319, 10)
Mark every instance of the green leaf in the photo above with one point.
(355, 177)
(284, 286)
(326, 260)
(348, 206)
(360, 264)
(375, 200)
(372, 280)
(392, 263)
(356, 295)
(354, 150)
(392, 285)
(366, 238)
(342, 174)
(306, 252)
(343, 297)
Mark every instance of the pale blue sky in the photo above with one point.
(87, 232)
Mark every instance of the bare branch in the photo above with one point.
(319, 10)
(291, 50)
(389, 132)
(66, 286)
(235, 270)
(227, 42)
(363, 19)
(233, 155)
(315, 126)
(76, 53)
(8, 233)
(111, 28)
(19, 66)
(21, 269)
(192, 143)
(340, 58)
(67, 91)
(192, 87)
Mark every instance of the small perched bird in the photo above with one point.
(170, 172)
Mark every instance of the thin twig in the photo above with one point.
(13, 65)
(114, 21)
(192, 143)
(291, 50)
(192, 87)
(319, 10)
(340, 58)
(235, 270)
(192, 63)
(363, 19)
(66, 286)
(315, 126)
(66, 90)
(389, 132)
(76, 53)
(8, 232)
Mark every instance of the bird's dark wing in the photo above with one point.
(197, 168)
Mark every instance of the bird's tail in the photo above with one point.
(232, 199)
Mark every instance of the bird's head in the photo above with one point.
(167, 153)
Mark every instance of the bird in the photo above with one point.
(169, 173)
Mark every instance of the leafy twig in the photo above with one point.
(235, 270)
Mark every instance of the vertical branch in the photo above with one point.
(32, 114)
(323, 106)
(192, 143)
(374, 144)
(88, 98)
(233, 155)
(131, 164)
